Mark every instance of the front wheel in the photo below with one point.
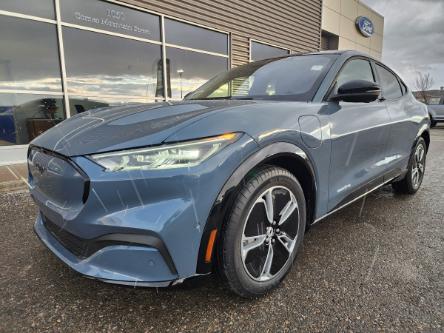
(412, 181)
(263, 233)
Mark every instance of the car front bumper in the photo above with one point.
(127, 264)
(139, 228)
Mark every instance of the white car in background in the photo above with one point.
(436, 112)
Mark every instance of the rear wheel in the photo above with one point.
(432, 121)
(263, 233)
(415, 174)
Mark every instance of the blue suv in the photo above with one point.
(230, 177)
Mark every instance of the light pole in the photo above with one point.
(180, 72)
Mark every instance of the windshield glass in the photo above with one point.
(289, 78)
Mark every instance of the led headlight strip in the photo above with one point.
(169, 156)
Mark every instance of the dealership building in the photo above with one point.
(59, 58)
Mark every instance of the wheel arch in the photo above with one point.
(282, 154)
(426, 136)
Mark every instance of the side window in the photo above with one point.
(356, 69)
(389, 83)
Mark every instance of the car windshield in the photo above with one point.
(288, 78)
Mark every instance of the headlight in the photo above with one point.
(178, 155)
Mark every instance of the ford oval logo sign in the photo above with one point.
(365, 26)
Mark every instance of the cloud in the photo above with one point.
(413, 37)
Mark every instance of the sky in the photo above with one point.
(413, 37)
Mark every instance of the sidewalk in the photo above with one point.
(13, 178)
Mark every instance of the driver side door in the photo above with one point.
(359, 135)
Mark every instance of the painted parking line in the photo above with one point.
(12, 172)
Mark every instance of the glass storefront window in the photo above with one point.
(41, 8)
(29, 58)
(24, 116)
(261, 51)
(183, 34)
(98, 64)
(107, 16)
(188, 70)
(79, 104)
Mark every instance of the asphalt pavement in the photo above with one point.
(376, 265)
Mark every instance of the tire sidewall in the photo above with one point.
(411, 187)
(237, 222)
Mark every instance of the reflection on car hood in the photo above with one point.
(124, 127)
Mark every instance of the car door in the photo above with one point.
(359, 133)
(404, 126)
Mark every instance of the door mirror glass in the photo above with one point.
(357, 91)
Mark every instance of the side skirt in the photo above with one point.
(354, 199)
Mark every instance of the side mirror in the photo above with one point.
(358, 91)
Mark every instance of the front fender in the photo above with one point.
(229, 191)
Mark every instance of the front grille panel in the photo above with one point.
(77, 246)
(57, 180)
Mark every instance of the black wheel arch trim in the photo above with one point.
(423, 130)
(231, 187)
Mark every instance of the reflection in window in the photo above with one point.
(99, 65)
(78, 104)
(42, 8)
(28, 55)
(107, 16)
(290, 78)
(261, 51)
(356, 69)
(184, 34)
(23, 116)
(390, 85)
(188, 70)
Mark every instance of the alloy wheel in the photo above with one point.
(270, 233)
(418, 166)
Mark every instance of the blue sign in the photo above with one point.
(365, 26)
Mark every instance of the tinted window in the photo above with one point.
(389, 83)
(29, 57)
(261, 51)
(356, 69)
(24, 116)
(107, 16)
(99, 65)
(188, 70)
(42, 8)
(292, 78)
(184, 34)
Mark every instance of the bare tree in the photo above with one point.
(423, 83)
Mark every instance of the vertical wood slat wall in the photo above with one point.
(292, 24)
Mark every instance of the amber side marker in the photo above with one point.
(210, 245)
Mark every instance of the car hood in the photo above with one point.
(124, 127)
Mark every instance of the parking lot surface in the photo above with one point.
(376, 265)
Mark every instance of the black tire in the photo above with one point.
(433, 122)
(408, 185)
(276, 185)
